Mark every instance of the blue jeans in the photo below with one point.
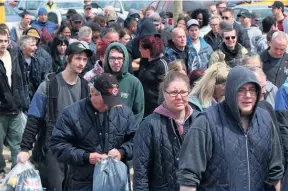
(11, 131)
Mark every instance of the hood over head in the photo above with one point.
(237, 77)
(125, 65)
(147, 28)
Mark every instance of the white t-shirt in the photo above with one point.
(6, 59)
(197, 46)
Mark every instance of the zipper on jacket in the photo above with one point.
(248, 163)
(176, 136)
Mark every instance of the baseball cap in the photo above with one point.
(78, 47)
(155, 18)
(87, 6)
(277, 4)
(192, 22)
(33, 32)
(111, 16)
(108, 86)
(245, 14)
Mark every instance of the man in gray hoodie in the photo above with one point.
(233, 145)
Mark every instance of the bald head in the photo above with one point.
(278, 44)
(179, 38)
(108, 9)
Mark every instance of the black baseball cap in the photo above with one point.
(78, 47)
(277, 4)
(245, 14)
(108, 86)
(87, 6)
(76, 17)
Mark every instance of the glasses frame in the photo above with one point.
(178, 93)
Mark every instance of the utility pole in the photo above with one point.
(2, 12)
(178, 8)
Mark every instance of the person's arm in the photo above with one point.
(126, 149)
(276, 169)
(195, 154)
(36, 114)
(244, 39)
(61, 142)
(142, 156)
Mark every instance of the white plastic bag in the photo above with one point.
(23, 177)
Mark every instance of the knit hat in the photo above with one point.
(42, 11)
(111, 16)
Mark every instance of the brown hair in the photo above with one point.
(124, 32)
(173, 76)
(228, 10)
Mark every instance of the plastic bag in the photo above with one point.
(110, 174)
(23, 177)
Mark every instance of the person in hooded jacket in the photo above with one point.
(147, 28)
(132, 94)
(159, 138)
(237, 138)
(92, 128)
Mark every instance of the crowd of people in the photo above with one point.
(202, 104)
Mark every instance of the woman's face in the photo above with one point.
(199, 18)
(219, 92)
(176, 95)
(67, 33)
(61, 48)
(125, 39)
(182, 24)
(145, 53)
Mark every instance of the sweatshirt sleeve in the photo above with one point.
(138, 105)
(195, 153)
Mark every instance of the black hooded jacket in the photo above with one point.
(217, 154)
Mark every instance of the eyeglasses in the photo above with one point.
(175, 93)
(243, 91)
(225, 18)
(113, 59)
(230, 37)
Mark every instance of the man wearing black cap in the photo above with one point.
(55, 93)
(278, 13)
(88, 14)
(92, 128)
(76, 23)
(253, 32)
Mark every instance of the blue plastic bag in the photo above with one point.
(110, 175)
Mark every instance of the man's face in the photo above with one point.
(278, 47)
(133, 28)
(116, 60)
(78, 62)
(179, 38)
(86, 37)
(230, 39)
(112, 37)
(97, 100)
(88, 12)
(276, 11)
(95, 36)
(26, 20)
(43, 18)
(227, 16)
(221, 7)
(158, 26)
(244, 20)
(30, 48)
(4, 43)
(194, 32)
(254, 62)
(214, 24)
(77, 25)
(246, 99)
(148, 13)
(262, 81)
(213, 10)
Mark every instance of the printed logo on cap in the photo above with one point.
(114, 90)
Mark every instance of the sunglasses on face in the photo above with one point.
(230, 37)
(225, 18)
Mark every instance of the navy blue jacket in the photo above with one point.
(79, 132)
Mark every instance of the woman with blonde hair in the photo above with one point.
(177, 66)
(210, 89)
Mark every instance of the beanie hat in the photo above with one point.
(42, 11)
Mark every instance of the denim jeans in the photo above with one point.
(11, 131)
